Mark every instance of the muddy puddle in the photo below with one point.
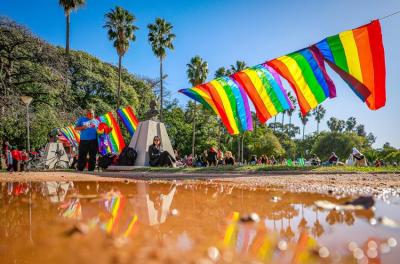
(180, 222)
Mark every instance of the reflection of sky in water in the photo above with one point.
(182, 218)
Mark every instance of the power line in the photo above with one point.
(395, 13)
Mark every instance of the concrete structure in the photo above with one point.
(143, 138)
(141, 141)
(50, 155)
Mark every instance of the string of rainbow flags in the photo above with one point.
(357, 56)
(109, 133)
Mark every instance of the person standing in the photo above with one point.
(87, 126)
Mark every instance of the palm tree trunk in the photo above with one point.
(241, 145)
(290, 120)
(274, 123)
(161, 90)
(283, 119)
(304, 126)
(317, 127)
(194, 130)
(67, 17)
(119, 81)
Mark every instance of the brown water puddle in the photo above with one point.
(179, 222)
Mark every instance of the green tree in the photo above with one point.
(263, 141)
(238, 66)
(351, 123)
(121, 30)
(340, 143)
(319, 113)
(197, 71)
(68, 6)
(304, 120)
(221, 72)
(161, 38)
(336, 125)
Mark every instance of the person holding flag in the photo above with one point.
(87, 125)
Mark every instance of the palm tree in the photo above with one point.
(291, 111)
(68, 6)
(319, 114)
(238, 66)
(161, 37)
(197, 71)
(121, 30)
(304, 120)
(221, 72)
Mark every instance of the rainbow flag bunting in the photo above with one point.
(71, 135)
(265, 90)
(113, 141)
(127, 116)
(358, 56)
(306, 73)
(228, 101)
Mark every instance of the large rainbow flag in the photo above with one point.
(71, 135)
(227, 100)
(358, 57)
(265, 90)
(113, 141)
(305, 72)
(129, 119)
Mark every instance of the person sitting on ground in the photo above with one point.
(24, 159)
(359, 158)
(212, 157)
(159, 157)
(333, 159)
(253, 160)
(229, 159)
(272, 160)
(220, 157)
(264, 159)
(378, 163)
(315, 160)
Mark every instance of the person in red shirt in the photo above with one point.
(24, 159)
(16, 155)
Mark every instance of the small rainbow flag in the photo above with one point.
(114, 140)
(71, 135)
(358, 56)
(129, 119)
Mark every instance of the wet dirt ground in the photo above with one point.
(185, 221)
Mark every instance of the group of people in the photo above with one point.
(16, 159)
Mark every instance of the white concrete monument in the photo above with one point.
(51, 158)
(143, 138)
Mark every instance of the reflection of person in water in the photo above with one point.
(152, 211)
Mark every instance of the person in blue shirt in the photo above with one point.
(87, 126)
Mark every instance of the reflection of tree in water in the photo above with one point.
(302, 226)
(335, 216)
(317, 230)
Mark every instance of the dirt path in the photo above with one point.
(337, 183)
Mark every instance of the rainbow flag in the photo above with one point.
(113, 141)
(71, 135)
(128, 118)
(265, 90)
(227, 100)
(306, 73)
(358, 56)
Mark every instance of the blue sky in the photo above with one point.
(222, 32)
